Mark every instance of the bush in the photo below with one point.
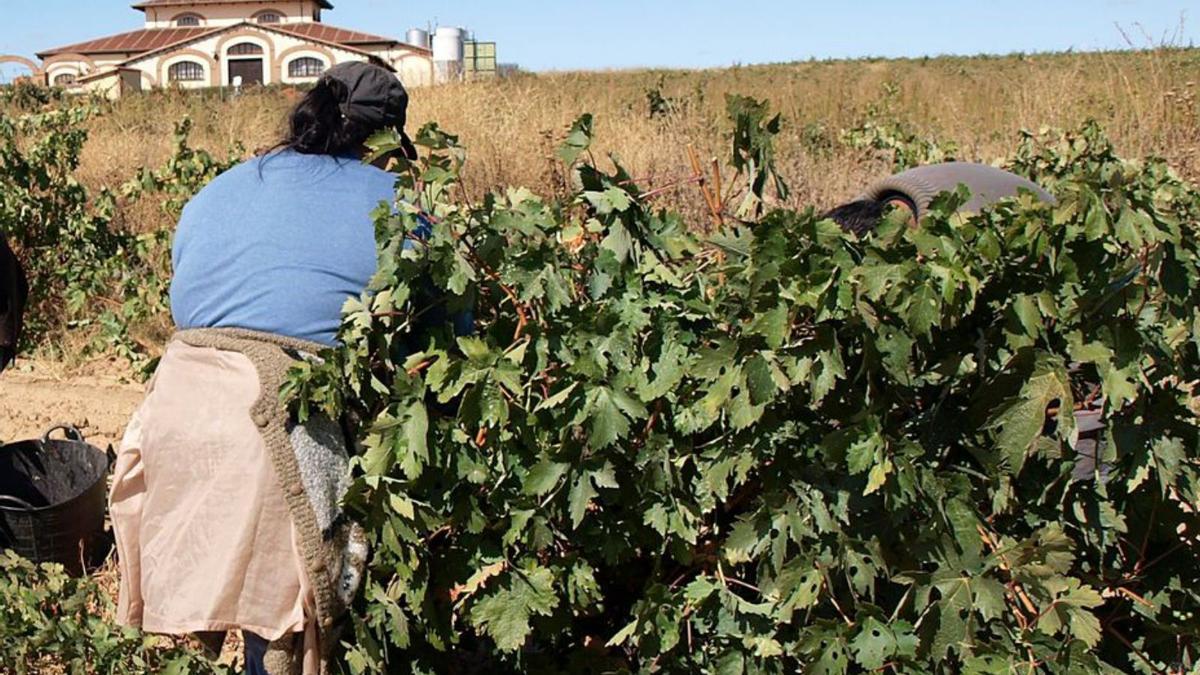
(85, 271)
(776, 448)
(779, 448)
(51, 622)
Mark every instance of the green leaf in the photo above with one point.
(668, 373)
(874, 645)
(504, 614)
(743, 541)
(656, 517)
(557, 399)
(1069, 610)
(1025, 308)
(831, 369)
(1021, 421)
(732, 663)
(578, 140)
(624, 634)
(760, 380)
(772, 325)
(924, 311)
(608, 421)
(878, 476)
(580, 498)
(416, 440)
(764, 647)
(832, 656)
(543, 477)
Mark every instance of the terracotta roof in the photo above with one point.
(327, 33)
(170, 46)
(271, 28)
(141, 42)
(137, 41)
(146, 4)
(283, 28)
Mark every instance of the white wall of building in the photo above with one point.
(266, 41)
(285, 63)
(214, 16)
(80, 68)
(58, 70)
(414, 68)
(278, 52)
(162, 68)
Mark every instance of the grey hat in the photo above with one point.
(374, 98)
(987, 184)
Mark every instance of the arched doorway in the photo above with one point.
(246, 61)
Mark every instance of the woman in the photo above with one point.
(225, 511)
(915, 189)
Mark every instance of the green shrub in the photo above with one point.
(780, 448)
(51, 622)
(84, 270)
(777, 448)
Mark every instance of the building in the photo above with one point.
(195, 44)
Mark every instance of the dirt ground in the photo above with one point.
(97, 398)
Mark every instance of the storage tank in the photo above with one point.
(418, 37)
(448, 53)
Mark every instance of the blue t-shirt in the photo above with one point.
(277, 244)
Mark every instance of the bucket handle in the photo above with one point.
(19, 503)
(74, 435)
(69, 430)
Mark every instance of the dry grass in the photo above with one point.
(1148, 102)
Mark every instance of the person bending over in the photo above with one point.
(915, 189)
(225, 509)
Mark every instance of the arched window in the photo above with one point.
(306, 66)
(65, 79)
(269, 17)
(245, 49)
(187, 20)
(186, 71)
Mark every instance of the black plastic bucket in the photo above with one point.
(52, 499)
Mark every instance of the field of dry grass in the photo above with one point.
(1148, 101)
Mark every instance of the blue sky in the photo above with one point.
(602, 34)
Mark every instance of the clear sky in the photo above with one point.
(601, 34)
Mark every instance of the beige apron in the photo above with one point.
(219, 527)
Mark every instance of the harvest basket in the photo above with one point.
(52, 499)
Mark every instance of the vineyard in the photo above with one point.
(696, 427)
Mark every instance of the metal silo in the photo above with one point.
(418, 37)
(448, 53)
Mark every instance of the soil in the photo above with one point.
(98, 399)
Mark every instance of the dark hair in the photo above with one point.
(859, 217)
(317, 125)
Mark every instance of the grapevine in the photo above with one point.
(778, 447)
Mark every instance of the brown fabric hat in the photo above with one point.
(375, 98)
